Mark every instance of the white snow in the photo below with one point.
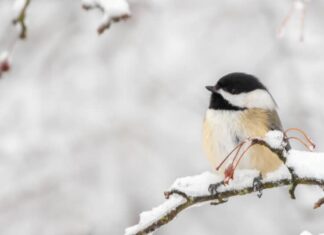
(274, 139)
(149, 217)
(242, 179)
(309, 233)
(306, 164)
(305, 233)
(281, 173)
(299, 4)
(196, 185)
(4, 56)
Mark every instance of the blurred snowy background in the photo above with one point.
(94, 129)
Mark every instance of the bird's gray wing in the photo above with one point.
(274, 121)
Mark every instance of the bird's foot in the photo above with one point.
(257, 185)
(212, 189)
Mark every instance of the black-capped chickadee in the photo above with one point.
(240, 107)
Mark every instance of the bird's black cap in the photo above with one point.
(236, 83)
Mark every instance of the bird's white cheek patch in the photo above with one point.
(255, 99)
(260, 99)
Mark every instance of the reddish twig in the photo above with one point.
(285, 21)
(309, 139)
(309, 145)
(300, 5)
(229, 172)
(238, 148)
(302, 24)
(300, 141)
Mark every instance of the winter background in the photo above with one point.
(93, 128)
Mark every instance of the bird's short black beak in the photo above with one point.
(211, 88)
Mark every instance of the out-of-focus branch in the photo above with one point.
(307, 168)
(4, 63)
(21, 7)
(112, 10)
(297, 5)
(319, 203)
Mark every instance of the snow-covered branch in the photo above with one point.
(112, 10)
(300, 168)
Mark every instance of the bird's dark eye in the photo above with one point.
(229, 90)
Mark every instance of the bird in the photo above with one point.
(240, 107)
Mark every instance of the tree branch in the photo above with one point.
(299, 168)
(19, 18)
(21, 8)
(319, 203)
(113, 11)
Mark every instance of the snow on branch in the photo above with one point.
(300, 168)
(112, 10)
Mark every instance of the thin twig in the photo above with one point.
(302, 23)
(311, 146)
(109, 12)
(21, 20)
(297, 5)
(238, 148)
(283, 25)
